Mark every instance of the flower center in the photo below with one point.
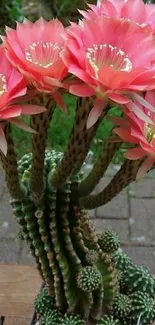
(43, 54)
(108, 55)
(149, 132)
(3, 84)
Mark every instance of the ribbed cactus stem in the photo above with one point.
(34, 234)
(67, 277)
(78, 145)
(123, 177)
(101, 165)
(40, 123)
(17, 209)
(10, 166)
(88, 231)
(96, 310)
(64, 209)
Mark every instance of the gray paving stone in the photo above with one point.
(144, 188)
(8, 224)
(26, 257)
(120, 226)
(9, 251)
(151, 174)
(142, 221)
(92, 213)
(144, 256)
(117, 207)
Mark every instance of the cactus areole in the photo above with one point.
(107, 58)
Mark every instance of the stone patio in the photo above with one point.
(131, 214)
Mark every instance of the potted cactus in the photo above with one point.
(105, 59)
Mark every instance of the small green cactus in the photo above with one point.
(122, 306)
(89, 279)
(51, 317)
(43, 302)
(109, 241)
(72, 320)
(138, 278)
(142, 304)
(92, 257)
(108, 320)
(122, 261)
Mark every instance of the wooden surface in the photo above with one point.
(19, 285)
(16, 321)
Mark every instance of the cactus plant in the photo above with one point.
(43, 302)
(137, 278)
(108, 320)
(142, 304)
(109, 241)
(88, 278)
(72, 320)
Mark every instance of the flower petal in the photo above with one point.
(135, 153)
(82, 90)
(95, 112)
(59, 101)
(20, 123)
(144, 168)
(118, 98)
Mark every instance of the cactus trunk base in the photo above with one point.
(88, 279)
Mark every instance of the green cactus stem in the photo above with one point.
(123, 177)
(89, 279)
(99, 168)
(40, 123)
(122, 261)
(108, 320)
(43, 302)
(92, 256)
(51, 317)
(142, 304)
(72, 320)
(109, 241)
(109, 279)
(88, 231)
(9, 162)
(122, 306)
(138, 278)
(78, 146)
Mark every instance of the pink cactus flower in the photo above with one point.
(142, 14)
(142, 134)
(113, 58)
(35, 50)
(12, 97)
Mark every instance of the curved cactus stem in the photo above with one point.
(40, 123)
(17, 210)
(10, 167)
(98, 296)
(78, 146)
(90, 182)
(124, 176)
(89, 233)
(76, 233)
(110, 279)
(64, 198)
(32, 226)
(67, 277)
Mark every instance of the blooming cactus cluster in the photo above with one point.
(108, 55)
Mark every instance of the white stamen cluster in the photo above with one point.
(106, 54)
(50, 52)
(3, 85)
